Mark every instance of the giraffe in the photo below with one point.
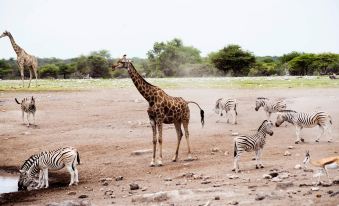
(23, 60)
(163, 109)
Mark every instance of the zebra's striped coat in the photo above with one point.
(269, 106)
(250, 143)
(54, 160)
(229, 106)
(306, 120)
(27, 106)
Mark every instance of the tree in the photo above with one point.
(166, 58)
(288, 57)
(302, 65)
(49, 70)
(66, 69)
(232, 59)
(98, 66)
(5, 69)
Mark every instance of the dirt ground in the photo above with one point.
(107, 125)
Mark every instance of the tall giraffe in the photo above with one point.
(163, 109)
(23, 60)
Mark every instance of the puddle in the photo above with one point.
(8, 184)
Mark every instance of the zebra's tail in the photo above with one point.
(235, 108)
(17, 101)
(329, 116)
(235, 149)
(202, 113)
(78, 158)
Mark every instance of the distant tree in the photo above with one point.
(5, 69)
(167, 57)
(302, 65)
(82, 65)
(98, 66)
(232, 59)
(288, 57)
(49, 70)
(103, 53)
(326, 63)
(66, 69)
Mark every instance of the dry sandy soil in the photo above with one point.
(106, 126)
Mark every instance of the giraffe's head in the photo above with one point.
(121, 63)
(6, 33)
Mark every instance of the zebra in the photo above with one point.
(250, 143)
(306, 120)
(29, 107)
(269, 106)
(227, 105)
(53, 160)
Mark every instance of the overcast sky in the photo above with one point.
(69, 28)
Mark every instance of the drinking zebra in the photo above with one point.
(306, 120)
(229, 106)
(269, 106)
(254, 142)
(53, 160)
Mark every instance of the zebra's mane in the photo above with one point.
(262, 98)
(30, 161)
(288, 110)
(262, 124)
(217, 103)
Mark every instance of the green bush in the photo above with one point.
(49, 70)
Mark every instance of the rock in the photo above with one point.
(235, 134)
(226, 153)
(336, 182)
(318, 195)
(290, 147)
(71, 193)
(334, 194)
(326, 184)
(83, 196)
(217, 198)
(188, 174)
(149, 198)
(109, 192)
(305, 185)
(141, 152)
(231, 176)
(233, 202)
(119, 178)
(276, 179)
(134, 186)
(330, 192)
(105, 179)
(287, 153)
(215, 149)
(168, 179)
(205, 182)
(297, 167)
(267, 176)
(259, 197)
(284, 185)
(273, 174)
(105, 183)
(284, 175)
(315, 188)
(308, 170)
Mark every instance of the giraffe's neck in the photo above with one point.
(146, 89)
(16, 48)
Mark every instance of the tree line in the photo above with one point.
(174, 59)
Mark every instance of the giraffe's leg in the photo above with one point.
(159, 125)
(30, 77)
(21, 67)
(185, 124)
(321, 133)
(179, 136)
(154, 130)
(36, 75)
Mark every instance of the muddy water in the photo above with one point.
(8, 184)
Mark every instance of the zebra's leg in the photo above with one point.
(257, 159)
(71, 172)
(40, 179)
(227, 115)
(179, 136)
(321, 133)
(76, 176)
(297, 131)
(28, 119)
(34, 118)
(260, 161)
(328, 130)
(185, 125)
(23, 116)
(235, 117)
(236, 163)
(46, 177)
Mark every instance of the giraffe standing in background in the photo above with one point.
(162, 109)
(24, 60)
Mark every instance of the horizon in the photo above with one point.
(265, 28)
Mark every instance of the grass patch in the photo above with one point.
(208, 82)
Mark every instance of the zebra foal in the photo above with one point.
(251, 143)
(54, 160)
(269, 106)
(227, 105)
(306, 120)
(28, 107)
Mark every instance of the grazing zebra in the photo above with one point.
(269, 106)
(27, 106)
(53, 160)
(227, 105)
(254, 142)
(306, 120)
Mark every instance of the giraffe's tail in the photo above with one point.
(202, 113)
